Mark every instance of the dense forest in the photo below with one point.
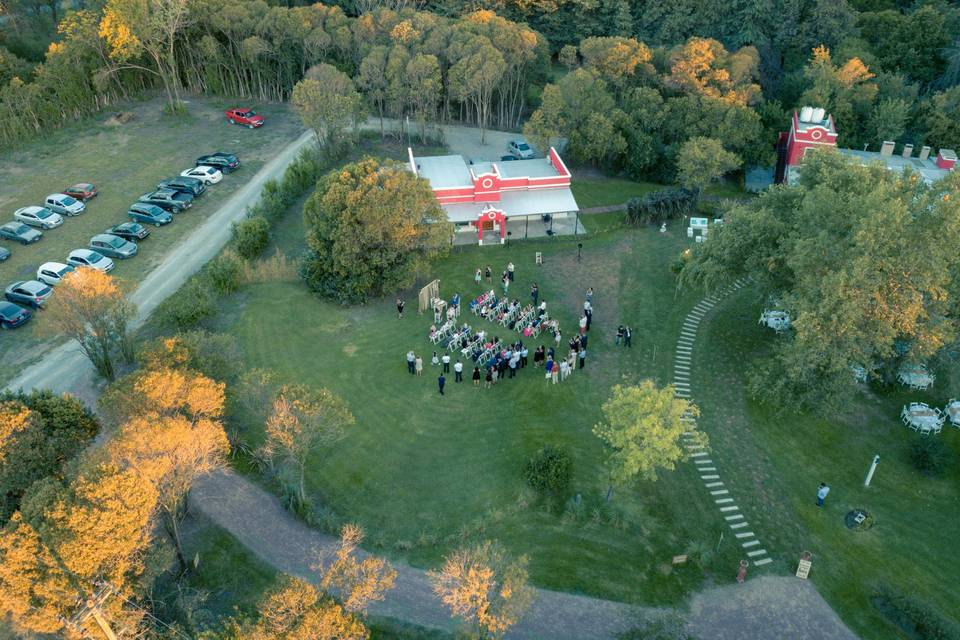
(626, 82)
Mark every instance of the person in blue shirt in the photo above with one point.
(441, 381)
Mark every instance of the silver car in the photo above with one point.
(114, 246)
(520, 149)
(63, 204)
(29, 292)
(92, 259)
(38, 217)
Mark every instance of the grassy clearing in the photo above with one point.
(773, 464)
(597, 191)
(124, 161)
(424, 474)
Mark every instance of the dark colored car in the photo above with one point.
(12, 316)
(193, 186)
(149, 214)
(222, 160)
(507, 158)
(20, 232)
(4, 253)
(82, 191)
(32, 293)
(113, 246)
(129, 231)
(172, 201)
(246, 117)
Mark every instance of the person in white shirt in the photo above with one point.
(446, 362)
(458, 367)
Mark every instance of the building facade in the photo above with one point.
(813, 128)
(489, 201)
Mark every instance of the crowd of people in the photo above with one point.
(459, 346)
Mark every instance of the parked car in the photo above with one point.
(38, 217)
(149, 214)
(507, 158)
(172, 201)
(53, 273)
(64, 205)
(20, 232)
(4, 253)
(209, 175)
(520, 149)
(32, 293)
(12, 316)
(222, 160)
(193, 186)
(82, 191)
(90, 258)
(113, 246)
(129, 231)
(244, 116)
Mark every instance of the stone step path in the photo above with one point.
(682, 365)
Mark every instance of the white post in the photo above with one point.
(873, 467)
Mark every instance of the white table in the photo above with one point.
(920, 417)
(915, 376)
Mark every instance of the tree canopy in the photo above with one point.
(861, 257)
(371, 227)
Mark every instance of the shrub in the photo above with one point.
(215, 355)
(657, 206)
(224, 272)
(929, 455)
(192, 304)
(915, 618)
(251, 236)
(549, 471)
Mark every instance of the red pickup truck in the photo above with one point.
(247, 117)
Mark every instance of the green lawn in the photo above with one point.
(595, 191)
(423, 473)
(773, 464)
(124, 161)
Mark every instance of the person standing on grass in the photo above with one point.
(489, 378)
(583, 323)
(590, 295)
(458, 372)
(400, 305)
(583, 357)
(523, 355)
(627, 335)
(549, 368)
(435, 360)
(589, 314)
(506, 284)
(557, 337)
(489, 275)
(510, 269)
(476, 376)
(411, 360)
(419, 366)
(555, 373)
(446, 362)
(477, 276)
(494, 374)
(619, 334)
(822, 492)
(583, 341)
(534, 294)
(441, 381)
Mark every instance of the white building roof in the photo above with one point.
(535, 168)
(444, 171)
(927, 169)
(517, 203)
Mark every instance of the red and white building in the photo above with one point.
(814, 128)
(484, 198)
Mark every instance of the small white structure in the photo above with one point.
(776, 320)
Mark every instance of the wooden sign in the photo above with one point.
(803, 569)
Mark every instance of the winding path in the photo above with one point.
(721, 496)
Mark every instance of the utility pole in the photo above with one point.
(91, 608)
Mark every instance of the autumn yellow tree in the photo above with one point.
(484, 587)
(702, 66)
(136, 30)
(90, 308)
(97, 527)
(297, 610)
(175, 437)
(302, 422)
(357, 578)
